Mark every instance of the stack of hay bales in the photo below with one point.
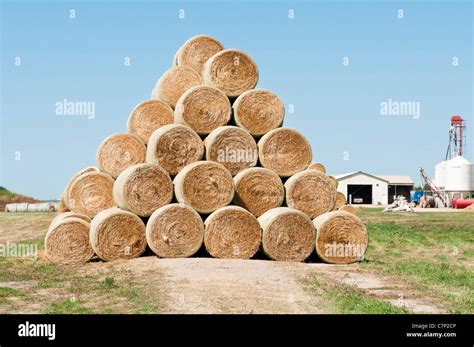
(206, 163)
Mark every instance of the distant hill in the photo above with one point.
(8, 197)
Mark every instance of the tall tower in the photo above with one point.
(457, 137)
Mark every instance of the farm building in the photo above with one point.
(363, 188)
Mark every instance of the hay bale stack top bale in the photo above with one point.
(203, 109)
(232, 147)
(232, 232)
(173, 147)
(231, 71)
(148, 116)
(258, 111)
(117, 234)
(119, 151)
(205, 186)
(341, 237)
(258, 190)
(196, 51)
(143, 188)
(174, 83)
(285, 151)
(175, 231)
(340, 200)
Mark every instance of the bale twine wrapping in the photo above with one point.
(148, 116)
(232, 147)
(348, 208)
(258, 111)
(203, 109)
(71, 214)
(205, 186)
(341, 237)
(311, 192)
(258, 190)
(65, 194)
(231, 71)
(119, 151)
(288, 234)
(196, 51)
(232, 232)
(285, 151)
(174, 83)
(175, 231)
(67, 241)
(91, 193)
(317, 166)
(173, 147)
(142, 188)
(340, 200)
(117, 234)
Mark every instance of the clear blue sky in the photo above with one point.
(301, 59)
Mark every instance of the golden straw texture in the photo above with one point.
(258, 111)
(205, 186)
(232, 232)
(175, 231)
(258, 190)
(232, 147)
(173, 147)
(148, 116)
(195, 52)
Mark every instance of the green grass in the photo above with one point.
(68, 307)
(348, 300)
(432, 250)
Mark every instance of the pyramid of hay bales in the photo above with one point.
(205, 161)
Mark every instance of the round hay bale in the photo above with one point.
(91, 193)
(148, 116)
(174, 83)
(203, 109)
(340, 200)
(317, 166)
(142, 188)
(341, 237)
(65, 194)
(258, 190)
(173, 147)
(175, 231)
(231, 71)
(285, 151)
(62, 204)
(67, 241)
(288, 234)
(232, 232)
(119, 151)
(205, 186)
(258, 111)
(71, 214)
(310, 192)
(232, 147)
(348, 208)
(196, 51)
(117, 234)
(334, 180)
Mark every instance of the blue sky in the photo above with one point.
(301, 59)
